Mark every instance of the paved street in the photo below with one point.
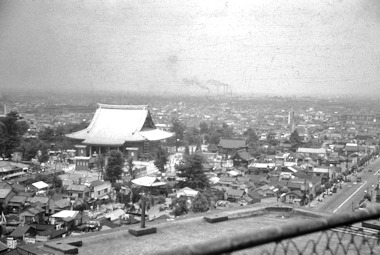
(351, 193)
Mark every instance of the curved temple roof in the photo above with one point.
(116, 124)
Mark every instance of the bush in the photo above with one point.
(180, 206)
(161, 200)
(200, 203)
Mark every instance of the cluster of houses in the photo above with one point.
(30, 213)
(291, 177)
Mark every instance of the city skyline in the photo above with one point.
(263, 47)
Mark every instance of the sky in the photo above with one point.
(282, 47)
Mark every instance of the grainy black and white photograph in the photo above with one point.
(189, 127)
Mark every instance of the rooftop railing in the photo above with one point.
(335, 234)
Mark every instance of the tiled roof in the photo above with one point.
(18, 199)
(235, 192)
(20, 231)
(38, 199)
(232, 143)
(76, 187)
(4, 193)
(115, 124)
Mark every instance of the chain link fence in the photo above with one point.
(336, 234)
(344, 240)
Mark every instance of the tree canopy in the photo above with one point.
(11, 131)
(161, 159)
(179, 131)
(192, 172)
(295, 140)
(114, 168)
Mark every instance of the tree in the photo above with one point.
(203, 127)
(295, 140)
(192, 172)
(57, 182)
(161, 159)
(200, 203)
(192, 136)
(30, 147)
(114, 168)
(179, 130)
(214, 137)
(22, 126)
(47, 135)
(10, 134)
(131, 175)
(252, 138)
(180, 206)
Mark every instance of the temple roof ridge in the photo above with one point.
(123, 107)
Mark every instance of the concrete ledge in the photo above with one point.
(76, 243)
(216, 218)
(62, 247)
(142, 231)
(374, 224)
(279, 209)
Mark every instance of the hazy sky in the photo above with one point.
(280, 47)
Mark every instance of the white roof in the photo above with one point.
(187, 192)
(115, 124)
(233, 173)
(262, 165)
(320, 170)
(40, 185)
(114, 215)
(65, 214)
(292, 169)
(148, 181)
(286, 163)
(312, 150)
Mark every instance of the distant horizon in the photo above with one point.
(120, 93)
(261, 47)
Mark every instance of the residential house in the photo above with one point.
(32, 214)
(187, 193)
(23, 231)
(40, 201)
(324, 173)
(266, 191)
(226, 181)
(55, 206)
(67, 218)
(52, 233)
(16, 203)
(264, 167)
(100, 189)
(256, 197)
(294, 196)
(40, 187)
(351, 148)
(78, 191)
(234, 194)
(319, 152)
(5, 195)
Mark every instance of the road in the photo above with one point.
(351, 193)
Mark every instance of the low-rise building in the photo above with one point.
(100, 189)
(78, 191)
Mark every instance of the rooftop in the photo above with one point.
(116, 124)
(186, 231)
